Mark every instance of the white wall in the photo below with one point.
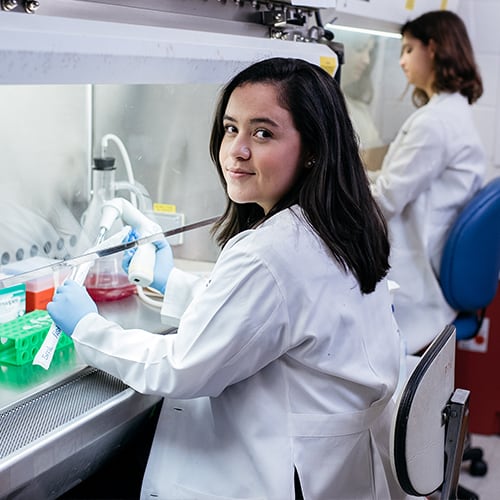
(482, 18)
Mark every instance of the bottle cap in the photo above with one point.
(107, 163)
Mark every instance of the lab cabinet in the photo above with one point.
(66, 84)
(154, 88)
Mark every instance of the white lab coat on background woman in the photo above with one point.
(279, 362)
(434, 166)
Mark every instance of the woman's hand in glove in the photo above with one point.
(70, 304)
(164, 261)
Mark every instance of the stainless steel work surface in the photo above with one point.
(59, 425)
(131, 312)
(55, 440)
(21, 382)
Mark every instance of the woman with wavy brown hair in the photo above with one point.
(434, 166)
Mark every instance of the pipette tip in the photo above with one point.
(100, 235)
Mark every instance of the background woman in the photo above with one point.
(433, 167)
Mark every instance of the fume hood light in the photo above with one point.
(339, 27)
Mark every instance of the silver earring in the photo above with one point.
(311, 163)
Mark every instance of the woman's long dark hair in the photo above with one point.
(454, 64)
(334, 194)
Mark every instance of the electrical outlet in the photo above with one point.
(169, 221)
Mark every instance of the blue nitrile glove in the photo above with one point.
(164, 261)
(70, 304)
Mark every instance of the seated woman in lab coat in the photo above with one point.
(279, 379)
(434, 166)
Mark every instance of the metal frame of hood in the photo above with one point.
(239, 17)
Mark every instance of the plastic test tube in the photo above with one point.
(45, 354)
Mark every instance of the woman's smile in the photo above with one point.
(239, 173)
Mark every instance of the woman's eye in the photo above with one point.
(229, 129)
(263, 134)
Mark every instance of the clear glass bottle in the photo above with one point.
(106, 279)
(103, 189)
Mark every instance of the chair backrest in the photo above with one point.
(470, 264)
(429, 426)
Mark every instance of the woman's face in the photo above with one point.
(358, 55)
(260, 153)
(416, 61)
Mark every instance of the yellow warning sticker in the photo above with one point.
(164, 207)
(329, 64)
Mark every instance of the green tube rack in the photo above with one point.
(21, 338)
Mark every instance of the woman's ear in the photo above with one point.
(431, 48)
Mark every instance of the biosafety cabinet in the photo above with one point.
(117, 98)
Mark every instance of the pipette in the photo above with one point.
(141, 267)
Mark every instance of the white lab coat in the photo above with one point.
(433, 167)
(279, 362)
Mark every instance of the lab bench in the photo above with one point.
(60, 425)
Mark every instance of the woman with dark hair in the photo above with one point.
(286, 359)
(433, 167)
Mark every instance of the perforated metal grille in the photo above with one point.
(45, 412)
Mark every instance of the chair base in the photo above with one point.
(478, 467)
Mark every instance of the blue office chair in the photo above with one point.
(469, 274)
(470, 264)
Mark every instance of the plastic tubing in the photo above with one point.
(126, 160)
